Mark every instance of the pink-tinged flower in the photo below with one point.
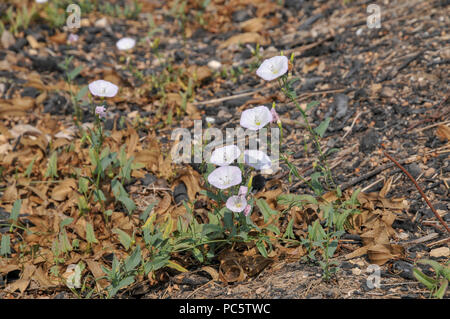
(72, 38)
(273, 68)
(225, 155)
(243, 191)
(103, 88)
(224, 177)
(275, 117)
(247, 210)
(100, 111)
(256, 118)
(236, 203)
(257, 159)
(126, 44)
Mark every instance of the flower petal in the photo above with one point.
(224, 177)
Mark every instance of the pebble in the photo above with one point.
(101, 23)
(414, 170)
(356, 271)
(440, 252)
(429, 172)
(341, 101)
(215, 65)
(369, 142)
(359, 32)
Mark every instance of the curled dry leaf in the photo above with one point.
(63, 189)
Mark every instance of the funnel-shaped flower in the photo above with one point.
(225, 176)
(273, 68)
(257, 159)
(100, 111)
(236, 203)
(126, 44)
(243, 191)
(103, 88)
(256, 118)
(247, 210)
(225, 155)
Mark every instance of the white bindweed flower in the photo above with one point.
(224, 177)
(273, 68)
(225, 155)
(103, 88)
(236, 203)
(257, 159)
(126, 44)
(256, 118)
(41, 1)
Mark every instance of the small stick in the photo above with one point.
(419, 189)
(439, 242)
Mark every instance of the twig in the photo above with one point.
(419, 189)
(439, 242)
(353, 124)
(421, 239)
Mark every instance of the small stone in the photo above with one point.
(440, 252)
(215, 65)
(359, 32)
(429, 172)
(369, 142)
(341, 101)
(7, 39)
(414, 169)
(260, 290)
(356, 271)
(403, 236)
(101, 23)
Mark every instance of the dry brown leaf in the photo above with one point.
(247, 37)
(254, 25)
(443, 132)
(191, 180)
(97, 271)
(63, 189)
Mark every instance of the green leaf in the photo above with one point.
(65, 222)
(124, 238)
(81, 93)
(133, 260)
(429, 282)
(30, 168)
(52, 169)
(147, 211)
(262, 249)
(320, 130)
(442, 289)
(90, 236)
(5, 247)
(289, 230)
(265, 209)
(128, 203)
(74, 73)
(83, 185)
(16, 210)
